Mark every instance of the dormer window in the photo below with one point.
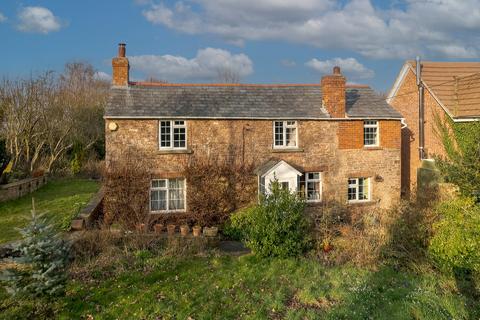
(285, 134)
(173, 134)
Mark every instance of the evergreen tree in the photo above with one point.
(44, 255)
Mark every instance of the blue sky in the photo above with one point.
(263, 41)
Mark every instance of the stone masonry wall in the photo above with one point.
(252, 141)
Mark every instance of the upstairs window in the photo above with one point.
(370, 133)
(173, 134)
(358, 189)
(285, 134)
(167, 195)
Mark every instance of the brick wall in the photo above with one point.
(252, 140)
(350, 134)
(406, 102)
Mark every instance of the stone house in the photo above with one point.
(452, 89)
(332, 141)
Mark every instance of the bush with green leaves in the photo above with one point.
(456, 240)
(461, 165)
(277, 226)
(41, 267)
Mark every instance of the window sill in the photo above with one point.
(168, 211)
(283, 150)
(361, 203)
(175, 151)
(372, 148)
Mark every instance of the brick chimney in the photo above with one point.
(333, 93)
(120, 67)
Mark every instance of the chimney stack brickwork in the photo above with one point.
(121, 68)
(333, 93)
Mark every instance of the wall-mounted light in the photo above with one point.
(378, 178)
(112, 126)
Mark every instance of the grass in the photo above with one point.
(224, 287)
(59, 199)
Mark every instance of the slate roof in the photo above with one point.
(456, 85)
(239, 102)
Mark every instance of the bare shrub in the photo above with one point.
(127, 178)
(398, 236)
(217, 188)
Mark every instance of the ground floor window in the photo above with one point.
(311, 186)
(167, 195)
(358, 189)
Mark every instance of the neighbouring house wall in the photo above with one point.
(252, 140)
(406, 102)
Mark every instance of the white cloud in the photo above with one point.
(206, 65)
(38, 20)
(3, 18)
(439, 28)
(100, 75)
(349, 67)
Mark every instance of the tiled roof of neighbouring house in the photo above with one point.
(456, 85)
(239, 101)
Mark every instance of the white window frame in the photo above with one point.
(356, 185)
(368, 124)
(173, 126)
(285, 125)
(167, 189)
(320, 180)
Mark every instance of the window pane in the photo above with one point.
(313, 190)
(278, 133)
(176, 199)
(179, 137)
(352, 193)
(291, 137)
(363, 188)
(313, 176)
(179, 122)
(158, 200)
(285, 185)
(158, 184)
(165, 130)
(352, 189)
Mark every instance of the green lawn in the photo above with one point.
(224, 287)
(58, 199)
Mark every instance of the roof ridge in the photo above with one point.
(260, 85)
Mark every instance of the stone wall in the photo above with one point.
(252, 140)
(20, 188)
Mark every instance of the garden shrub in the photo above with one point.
(127, 181)
(461, 165)
(235, 228)
(456, 240)
(216, 188)
(277, 226)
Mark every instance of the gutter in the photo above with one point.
(246, 118)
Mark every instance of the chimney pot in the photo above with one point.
(336, 70)
(121, 50)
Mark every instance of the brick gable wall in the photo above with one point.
(406, 102)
